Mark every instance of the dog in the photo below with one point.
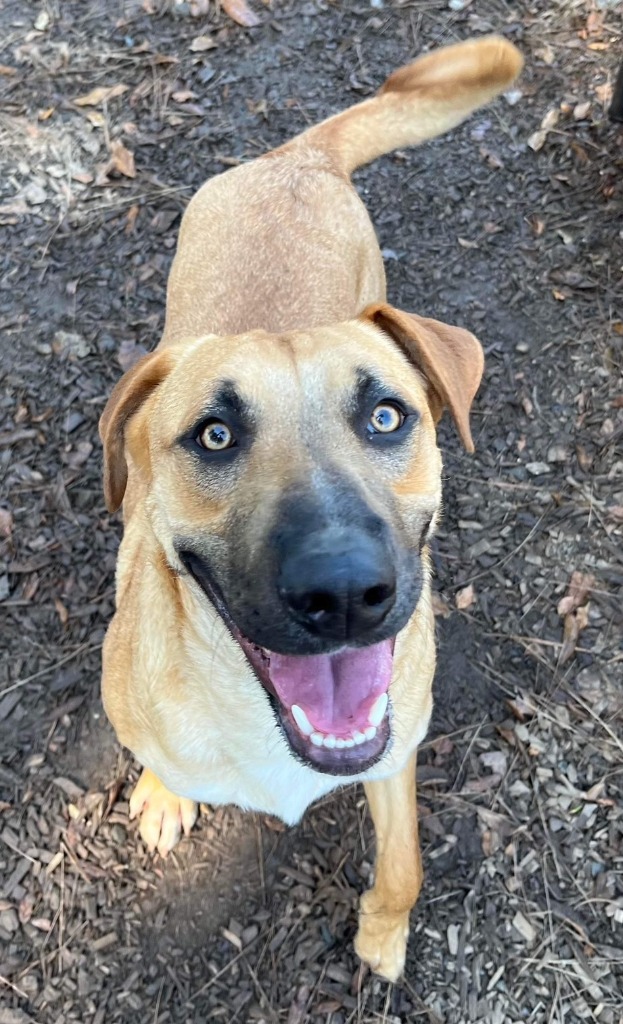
(277, 462)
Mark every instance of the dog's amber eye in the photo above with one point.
(385, 419)
(216, 436)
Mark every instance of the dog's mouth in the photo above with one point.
(333, 708)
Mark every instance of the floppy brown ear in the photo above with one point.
(126, 399)
(450, 358)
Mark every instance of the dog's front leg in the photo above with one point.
(384, 914)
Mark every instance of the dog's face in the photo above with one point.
(296, 479)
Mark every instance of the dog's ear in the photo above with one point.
(450, 358)
(126, 399)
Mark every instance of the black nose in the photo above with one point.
(339, 583)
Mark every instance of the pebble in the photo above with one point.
(35, 194)
(9, 920)
(523, 926)
(72, 421)
(118, 834)
(453, 939)
(249, 934)
(68, 343)
(557, 453)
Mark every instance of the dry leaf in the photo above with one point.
(31, 587)
(580, 153)
(507, 734)
(129, 354)
(25, 908)
(581, 617)
(537, 140)
(258, 107)
(490, 842)
(6, 523)
(164, 58)
(604, 94)
(6, 70)
(439, 606)
(231, 937)
(122, 160)
(202, 43)
(580, 111)
(546, 54)
(63, 614)
(595, 23)
(102, 94)
(537, 225)
(240, 12)
(42, 924)
(491, 158)
(550, 120)
(45, 115)
(571, 633)
(465, 597)
(481, 785)
(97, 120)
(580, 586)
(442, 745)
(130, 221)
(183, 95)
(521, 707)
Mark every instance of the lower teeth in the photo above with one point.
(330, 741)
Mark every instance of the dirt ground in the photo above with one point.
(510, 226)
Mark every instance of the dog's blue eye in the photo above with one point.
(385, 419)
(216, 436)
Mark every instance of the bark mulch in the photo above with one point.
(111, 115)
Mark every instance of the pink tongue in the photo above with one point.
(336, 691)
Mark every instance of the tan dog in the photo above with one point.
(277, 461)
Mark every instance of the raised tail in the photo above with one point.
(417, 102)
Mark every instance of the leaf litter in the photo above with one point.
(520, 783)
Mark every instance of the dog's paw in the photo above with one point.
(381, 939)
(163, 815)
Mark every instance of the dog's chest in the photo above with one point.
(276, 784)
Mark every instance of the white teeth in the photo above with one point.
(331, 741)
(302, 721)
(378, 709)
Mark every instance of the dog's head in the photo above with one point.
(295, 480)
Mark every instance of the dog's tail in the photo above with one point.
(417, 102)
